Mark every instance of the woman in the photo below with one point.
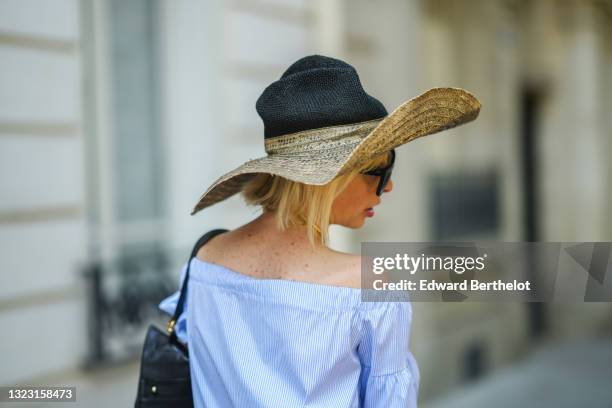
(274, 317)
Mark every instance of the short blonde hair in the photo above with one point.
(297, 203)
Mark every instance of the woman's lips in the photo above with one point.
(369, 212)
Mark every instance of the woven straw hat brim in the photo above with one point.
(336, 150)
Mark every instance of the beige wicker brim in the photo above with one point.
(318, 156)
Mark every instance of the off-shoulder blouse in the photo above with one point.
(281, 343)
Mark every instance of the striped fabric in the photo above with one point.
(279, 343)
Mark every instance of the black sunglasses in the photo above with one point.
(384, 174)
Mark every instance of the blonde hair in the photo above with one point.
(297, 203)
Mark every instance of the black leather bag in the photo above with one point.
(164, 366)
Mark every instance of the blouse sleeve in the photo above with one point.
(168, 306)
(390, 376)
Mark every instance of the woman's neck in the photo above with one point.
(265, 226)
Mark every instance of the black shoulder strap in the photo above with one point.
(179, 306)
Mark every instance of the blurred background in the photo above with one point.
(116, 115)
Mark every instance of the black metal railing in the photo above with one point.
(123, 297)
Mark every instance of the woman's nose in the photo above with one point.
(389, 186)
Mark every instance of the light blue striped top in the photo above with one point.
(279, 343)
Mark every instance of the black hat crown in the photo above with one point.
(316, 92)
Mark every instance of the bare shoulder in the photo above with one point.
(356, 270)
(214, 247)
(262, 258)
(239, 253)
(346, 269)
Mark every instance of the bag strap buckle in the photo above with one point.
(170, 326)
